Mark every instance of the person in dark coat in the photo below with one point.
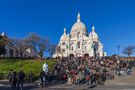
(94, 78)
(10, 75)
(42, 76)
(13, 80)
(30, 77)
(103, 76)
(20, 80)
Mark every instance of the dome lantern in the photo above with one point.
(78, 17)
(93, 28)
(65, 31)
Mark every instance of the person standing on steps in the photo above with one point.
(13, 80)
(20, 80)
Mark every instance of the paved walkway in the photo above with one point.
(77, 87)
(108, 86)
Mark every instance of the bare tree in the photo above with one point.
(51, 49)
(3, 42)
(129, 50)
(42, 45)
(20, 45)
(38, 44)
(33, 40)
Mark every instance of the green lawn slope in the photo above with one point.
(26, 65)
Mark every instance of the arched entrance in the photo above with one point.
(71, 55)
(86, 55)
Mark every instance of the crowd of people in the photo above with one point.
(77, 70)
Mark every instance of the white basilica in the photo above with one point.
(79, 43)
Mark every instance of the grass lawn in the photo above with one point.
(26, 65)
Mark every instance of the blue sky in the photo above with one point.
(114, 20)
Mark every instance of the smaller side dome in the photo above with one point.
(64, 36)
(94, 34)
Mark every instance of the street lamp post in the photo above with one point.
(118, 49)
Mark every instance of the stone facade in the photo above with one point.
(79, 43)
(11, 52)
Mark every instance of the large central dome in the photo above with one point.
(78, 26)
